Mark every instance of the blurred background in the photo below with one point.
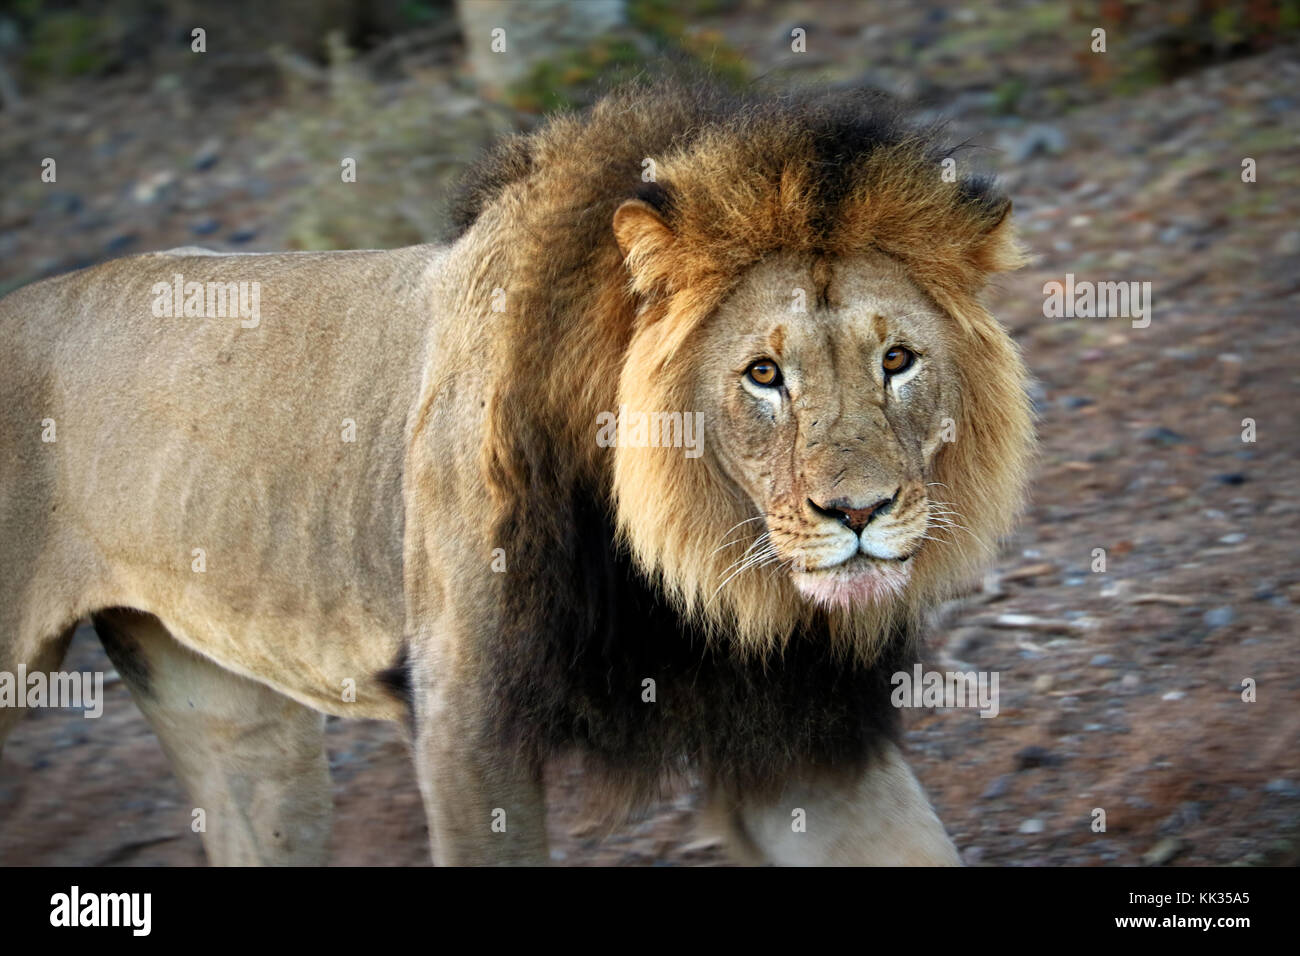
(1122, 688)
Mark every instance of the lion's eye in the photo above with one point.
(765, 374)
(897, 359)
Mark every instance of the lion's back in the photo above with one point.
(242, 415)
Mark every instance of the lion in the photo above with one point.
(386, 484)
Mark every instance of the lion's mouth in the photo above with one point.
(859, 580)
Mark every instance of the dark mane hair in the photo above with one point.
(653, 120)
(735, 177)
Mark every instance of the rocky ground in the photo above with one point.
(1120, 689)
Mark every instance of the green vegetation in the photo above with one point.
(660, 32)
(570, 81)
(408, 152)
(68, 43)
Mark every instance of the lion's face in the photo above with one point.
(823, 386)
(866, 429)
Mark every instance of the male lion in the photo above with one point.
(389, 495)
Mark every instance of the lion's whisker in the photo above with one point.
(733, 528)
(746, 563)
(734, 541)
(745, 556)
(740, 523)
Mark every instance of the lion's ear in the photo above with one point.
(1000, 250)
(644, 239)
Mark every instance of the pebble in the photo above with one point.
(1105, 850)
(1288, 244)
(1032, 826)
(1163, 852)
(1160, 435)
(1188, 813)
(1283, 786)
(1173, 695)
(1016, 620)
(1040, 138)
(207, 155)
(1000, 787)
(1231, 478)
(1029, 622)
(66, 204)
(1219, 617)
(1100, 660)
(150, 188)
(120, 242)
(1035, 756)
(205, 226)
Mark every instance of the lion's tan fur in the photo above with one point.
(473, 376)
(180, 434)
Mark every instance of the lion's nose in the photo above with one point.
(853, 516)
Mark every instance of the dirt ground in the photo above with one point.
(1121, 689)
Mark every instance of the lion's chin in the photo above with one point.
(855, 583)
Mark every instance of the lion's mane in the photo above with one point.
(614, 568)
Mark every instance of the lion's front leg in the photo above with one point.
(882, 818)
(482, 807)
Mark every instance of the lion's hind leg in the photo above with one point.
(41, 656)
(252, 760)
